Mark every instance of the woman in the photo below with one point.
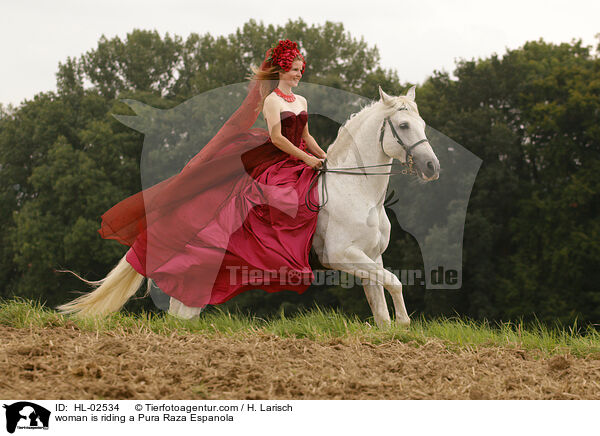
(281, 99)
(219, 227)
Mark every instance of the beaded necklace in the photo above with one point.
(287, 97)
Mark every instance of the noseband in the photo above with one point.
(408, 164)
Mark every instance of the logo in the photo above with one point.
(26, 415)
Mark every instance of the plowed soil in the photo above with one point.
(67, 363)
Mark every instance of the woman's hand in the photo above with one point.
(313, 162)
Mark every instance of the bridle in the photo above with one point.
(408, 165)
(408, 161)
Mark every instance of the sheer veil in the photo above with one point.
(164, 217)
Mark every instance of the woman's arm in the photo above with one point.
(271, 111)
(311, 144)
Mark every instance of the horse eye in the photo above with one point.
(403, 126)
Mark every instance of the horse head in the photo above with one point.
(402, 135)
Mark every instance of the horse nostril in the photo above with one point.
(430, 165)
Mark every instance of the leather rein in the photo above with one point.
(408, 165)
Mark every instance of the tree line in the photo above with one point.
(532, 234)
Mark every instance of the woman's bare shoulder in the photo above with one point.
(272, 103)
(301, 98)
(271, 108)
(272, 100)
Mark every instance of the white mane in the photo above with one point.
(360, 125)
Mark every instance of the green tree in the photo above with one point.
(531, 239)
(65, 160)
(532, 235)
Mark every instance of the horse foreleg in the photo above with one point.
(402, 317)
(376, 299)
(356, 262)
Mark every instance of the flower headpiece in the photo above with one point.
(284, 53)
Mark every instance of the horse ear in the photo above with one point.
(411, 93)
(389, 100)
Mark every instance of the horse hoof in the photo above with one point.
(383, 324)
(403, 322)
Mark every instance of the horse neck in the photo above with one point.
(357, 144)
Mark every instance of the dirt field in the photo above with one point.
(66, 363)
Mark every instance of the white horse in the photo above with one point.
(353, 229)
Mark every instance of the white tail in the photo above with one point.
(111, 293)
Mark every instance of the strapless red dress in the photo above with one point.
(259, 238)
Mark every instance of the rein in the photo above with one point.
(408, 164)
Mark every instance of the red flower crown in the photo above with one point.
(284, 53)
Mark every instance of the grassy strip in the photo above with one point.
(319, 325)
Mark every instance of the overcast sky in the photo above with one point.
(414, 37)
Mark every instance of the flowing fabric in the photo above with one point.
(233, 219)
(126, 220)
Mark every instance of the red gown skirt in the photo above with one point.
(242, 223)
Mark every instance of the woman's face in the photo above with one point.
(293, 76)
